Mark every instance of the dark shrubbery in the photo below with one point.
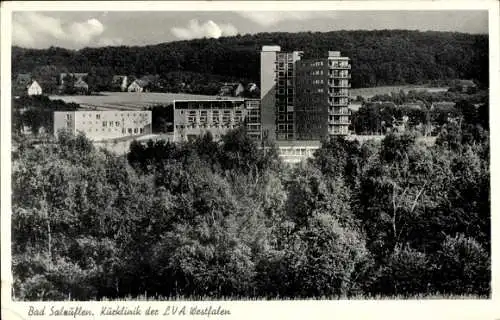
(226, 219)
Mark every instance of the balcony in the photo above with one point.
(339, 123)
(338, 94)
(337, 66)
(339, 85)
(337, 104)
(339, 76)
(338, 112)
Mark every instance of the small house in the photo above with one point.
(34, 89)
(465, 86)
(138, 85)
(252, 87)
(443, 106)
(119, 83)
(231, 89)
(81, 86)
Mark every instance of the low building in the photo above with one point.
(138, 85)
(416, 105)
(119, 83)
(196, 117)
(443, 105)
(252, 87)
(465, 86)
(104, 125)
(81, 87)
(231, 90)
(34, 89)
(295, 152)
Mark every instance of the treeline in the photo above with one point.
(36, 114)
(384, 57)
(380, 115)
(209, 219)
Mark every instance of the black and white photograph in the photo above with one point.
(235, 155)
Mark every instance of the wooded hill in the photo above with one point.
(384, 57)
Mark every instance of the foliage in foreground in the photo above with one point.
(210, 219)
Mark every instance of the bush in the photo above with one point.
(406, 272)
(463, 267)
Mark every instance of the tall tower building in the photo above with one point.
(339, 83)
(304, 99)
(278, 77)
(268, 58)
(322, 97)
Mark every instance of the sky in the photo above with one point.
(79, 29)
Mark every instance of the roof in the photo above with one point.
(118, 78)
(141, 82)
(443, 104)
(415, 105)
(298, 143)
(271, 48)
(80, 83)
(354, 106)
(468, 83)
(31, 83)
(23, 78)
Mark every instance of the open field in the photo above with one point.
(370, 92)
(127, 100)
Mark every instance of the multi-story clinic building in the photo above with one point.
(195, 117)
(104, 125)
(304, 99)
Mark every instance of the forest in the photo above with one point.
(227, 220)
(384, 57)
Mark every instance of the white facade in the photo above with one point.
(34, 89)
(135, 87)
(104, 125)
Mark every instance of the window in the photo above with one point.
(98, 116)
(104, 123)
(129, 131)
(135, 130)
(117, 123)
(281, 117)
(141, 130)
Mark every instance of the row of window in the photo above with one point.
(205, 126)
(285, 127)
(124, 131)
(316, 73)
(253, 127)
(296, 151)
(98, 115)
(285, 117)
(340, 65)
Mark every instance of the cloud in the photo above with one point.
(106, 42)
(209, 29)
(37, 30)
(84, 32)
(270, 18)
